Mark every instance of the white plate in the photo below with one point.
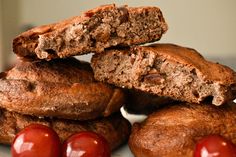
(121, 152)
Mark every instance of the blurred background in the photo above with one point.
(206, 25)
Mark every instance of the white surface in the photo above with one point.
(4, 151)
(122, 152)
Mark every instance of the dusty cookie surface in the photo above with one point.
(167, 70)
(60, 88)
(93, 31)
(173, 131)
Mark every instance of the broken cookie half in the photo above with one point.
(93, 31)
(167, 70)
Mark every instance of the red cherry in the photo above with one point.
(86, 144)
(214, 146)
(36, 141)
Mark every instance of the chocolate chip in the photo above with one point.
(125, 14)
(31, 86)
(195, 93)
(3, 75)
(154, 78)
(88, 14)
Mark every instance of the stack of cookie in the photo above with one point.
(203, 91)
(62, 94)
(48, 86)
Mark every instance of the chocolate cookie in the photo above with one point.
(115, 129)
(174, 130)
(93, 31)
(62, 88)
(167, 70)
(140, 102)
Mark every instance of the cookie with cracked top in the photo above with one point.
(174, 130)
(115, 129)
(62, 88)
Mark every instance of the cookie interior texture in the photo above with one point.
(167, 70)
(93, 31)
